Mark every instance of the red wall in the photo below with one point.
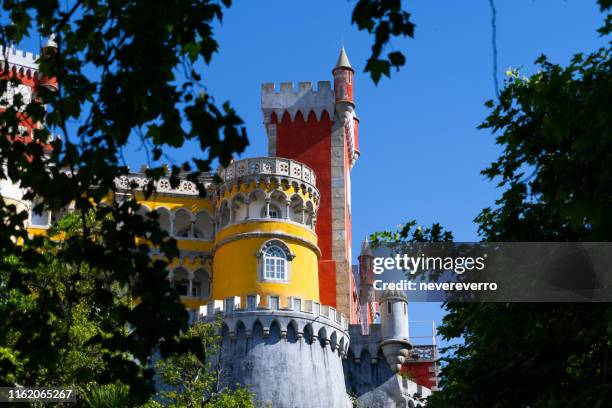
(419, 373)
(309, 141)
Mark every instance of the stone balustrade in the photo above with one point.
(269, 167)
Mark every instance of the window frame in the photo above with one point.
(274, 261)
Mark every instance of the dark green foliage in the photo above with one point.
(555, 167)
(555, 130)
(410, 232)
(385, 19)
(555, 171)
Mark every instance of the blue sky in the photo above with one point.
(421, 151)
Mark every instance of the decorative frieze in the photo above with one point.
(139, 181)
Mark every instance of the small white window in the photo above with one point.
(274, 258)
(275, 261)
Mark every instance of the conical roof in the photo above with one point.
(343, 60)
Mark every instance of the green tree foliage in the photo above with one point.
(54, 304)
(555, 128)
(385, 19)
(555, 171)
(196, 380)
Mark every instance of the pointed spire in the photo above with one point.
(343, 60)
(365, 248)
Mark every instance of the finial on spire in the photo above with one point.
(343, 60)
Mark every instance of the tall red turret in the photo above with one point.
(343, 79)
(319, 128)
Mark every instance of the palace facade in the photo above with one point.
(269, 252)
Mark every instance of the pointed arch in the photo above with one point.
(274, 335)
(224, 214)
(201, 284)
(203, 226)
(164, 219)
(292, 331)
(286, 117)
(308, 333)
(322, 334)
(181, 228)
(297, 209)
(181, 281)
(239, 207)
(325, 116)
(299, 117)
(333, 341)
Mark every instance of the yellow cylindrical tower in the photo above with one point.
(265, 247)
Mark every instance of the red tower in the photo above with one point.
(319, 128)
(15, 63)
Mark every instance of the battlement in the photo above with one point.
(233, 305)
(18, 58)
(305, 100)
(306, 319)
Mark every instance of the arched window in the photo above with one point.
(203, 228)
(224, 214)
(182, 224)
(274, 261)
(164, 219)
(180, 280)
(201, 284)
